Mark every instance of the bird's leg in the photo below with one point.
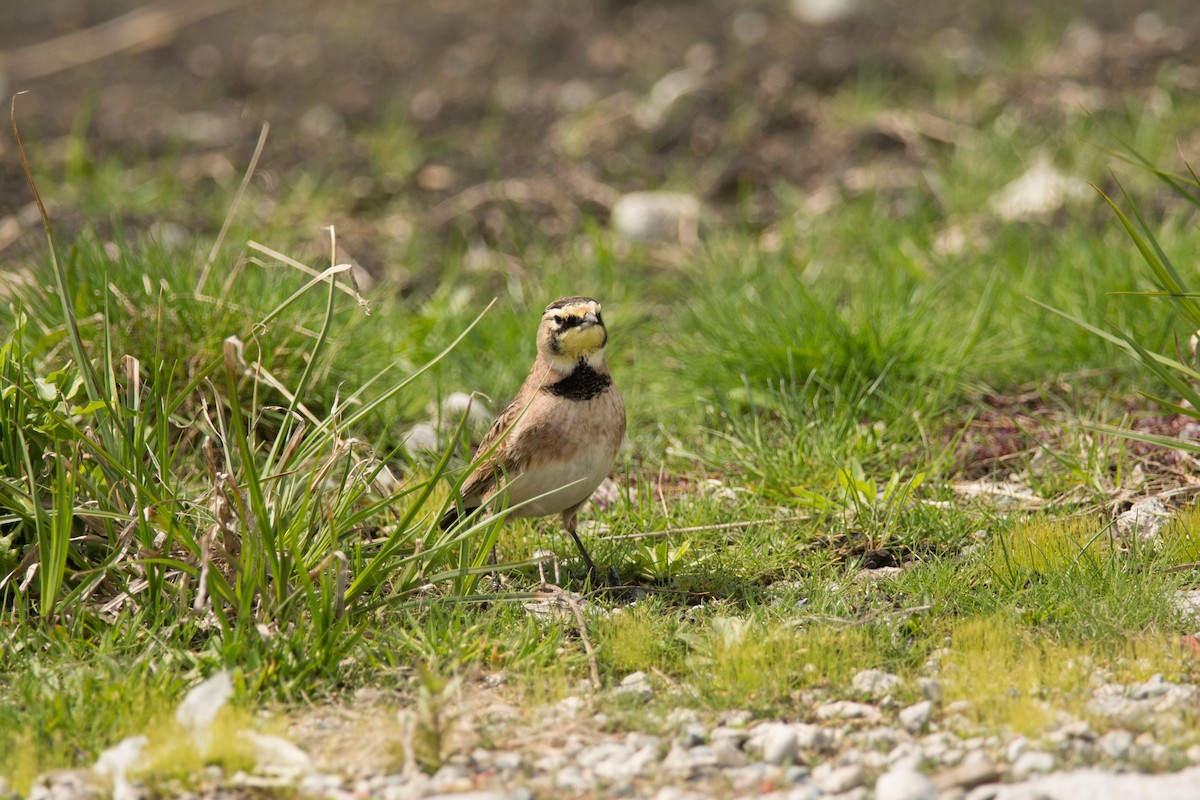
(569, 524)
(495, 572)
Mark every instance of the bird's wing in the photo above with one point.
(501, 444)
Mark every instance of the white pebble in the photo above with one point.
(904, 784)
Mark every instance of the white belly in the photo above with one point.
(568, 454)
(553, 487)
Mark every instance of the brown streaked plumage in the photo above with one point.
(549, 450)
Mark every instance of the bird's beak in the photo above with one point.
(590, 319)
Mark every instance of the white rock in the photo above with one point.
(1117, 744)
(822, 12)
(932, 690)
(847, 710)
(1037, 194)
(1016, 748)
(202, 702)
(693, 734)
(836, 780)
(1032, 762)
(614, 761)
(1144, 520)
(675, 793)
(1188, 603)
(687, 762)
(875, 683)
(906, 755)
(572, 779)
(904, 784)
(668, 90)
(458, 404)
(729, 754)
(779, 745)
(65, 784)
(274, 755)
(657, 216)
(737, 735)
(636, 685)
(915, 718)
(117, 762)
(813, 738)
(1095, 784)
(422, 439)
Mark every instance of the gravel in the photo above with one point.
(854, 751)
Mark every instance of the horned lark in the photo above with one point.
(549, 450)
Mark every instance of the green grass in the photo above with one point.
(795, 401)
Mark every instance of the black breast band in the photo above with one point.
(582, 384)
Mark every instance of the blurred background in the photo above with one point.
(476, 120)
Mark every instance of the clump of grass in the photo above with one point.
(1018, 680)
(1010, 681)
(1181, 539)
(638, 638)
(1041, 545)
(735, 662)
(182, 481)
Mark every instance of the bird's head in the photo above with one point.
(571, 331)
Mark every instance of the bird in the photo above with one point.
(556, 441)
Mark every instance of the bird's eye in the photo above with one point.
(558, 319)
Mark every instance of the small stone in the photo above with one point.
(779, 745)
(1156, 686)
(690, 762)
(675, 793)
(1144, 520)
(882, 738)
(637, 686)
(969, 774)
(931, 689)
(875, 683)
(736, 718)
(459, 404)
(572, 779)
(507, 762)
(65, 784)
(692, 735)
(906, 755)
(904, 784)
(1016, 748)
(915, 718)
(839, 779)
(822, 12)
(1032, 762)
(857, 793)
(1037, 194)
(422, 439)
(657, 216)
(796, 773)
(812, 738)
(451, 777)
(737, 735)
(729, 754)
(750, 776)
(847, 710)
